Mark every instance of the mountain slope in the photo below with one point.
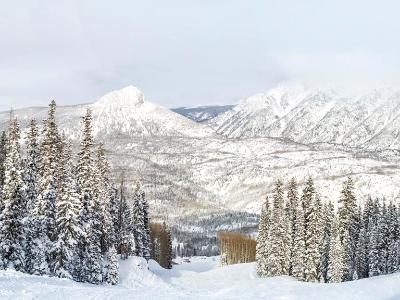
(202, 113)
(119, 113)
(369, 121)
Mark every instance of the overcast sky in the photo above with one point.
(187, 52)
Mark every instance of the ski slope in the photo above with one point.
(201, 278)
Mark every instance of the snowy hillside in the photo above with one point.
(121, 113)
(186, 167)
(201, 278)
(306, 115)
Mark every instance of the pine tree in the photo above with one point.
(292, 202)
(44, 216)
(126, 239)
(103, 192)
(12, 233)
(68, 210)
(328, 216)
(279, 235)
(348, 225)
(313, 240)
(166, 248)
(299, 249)
(3, 152)
(139, 232)
(85, 168)
(112, 276)
(337, 265)
(31, 179)
(262, 241)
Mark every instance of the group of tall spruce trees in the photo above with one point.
(308, 239)
(63, 217)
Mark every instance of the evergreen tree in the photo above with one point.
(67, 216)
(313, 240)
(262, 241)
(348, 225)
(328, 216)
(3, 152)
(279, 235)
(337, 265)
(103, 192)
(292, 202)
(299, 249)
(12, 233)
(112, 276)
(31, 179)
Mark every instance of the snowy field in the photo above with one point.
(202, 278)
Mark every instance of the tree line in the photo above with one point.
(303, 237)
(61, 216)
(236, 248)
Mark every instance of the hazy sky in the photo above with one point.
(186, 52)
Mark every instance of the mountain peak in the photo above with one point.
(126, 96)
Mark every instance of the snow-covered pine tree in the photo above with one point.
(126, 238)
(262, 240)
(3, 151)
(144, 206)
(92, 207)
(12, 233)
(103, 192)
(68, 209)
(374, 243)
(112, 275)
(313, 240)
(45, 203)
(279, 235)
(336, 266)
(328, 216)
(291, 203)
(362, 254)
(394, 239)
(348, 225)
(31, 179)
(138, 221)
(85, 168)
(299, 250)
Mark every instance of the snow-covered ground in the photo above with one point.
(201, 278)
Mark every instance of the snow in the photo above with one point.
(201, 278)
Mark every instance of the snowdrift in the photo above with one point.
(201, 278)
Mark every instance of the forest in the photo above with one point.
(62, 215)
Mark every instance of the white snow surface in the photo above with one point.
(201, 278)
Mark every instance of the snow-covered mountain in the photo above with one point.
(121, 113)
(307, 115)
(187, 167)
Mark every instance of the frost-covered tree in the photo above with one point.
(68, 209)
(299, 247)
(313, 240)
(49, 158)
(141, 223)
(3, 151)
(31, 179)
(328, 216)
(104, 192)
(291, 204)
(112, 275)
(348, 225)
(337, 266)
(262, 241)
(12, 233)
(279, 235)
